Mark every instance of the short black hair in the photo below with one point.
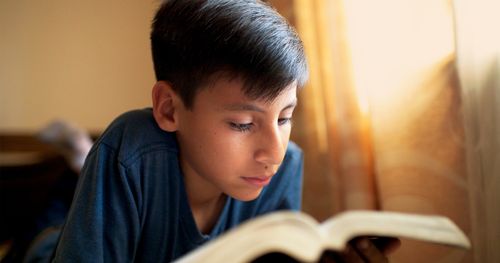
(194, 40)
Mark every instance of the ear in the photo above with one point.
(166, 105)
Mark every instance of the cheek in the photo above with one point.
(236, 148)
(226, 143)
(285, 134)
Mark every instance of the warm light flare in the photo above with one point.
(392, 50)
(363, 102)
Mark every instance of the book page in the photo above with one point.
(292, 233)
(436, 229)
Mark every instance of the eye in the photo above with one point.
(241, 127)
(283, 121)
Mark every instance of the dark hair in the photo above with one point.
(192, 41)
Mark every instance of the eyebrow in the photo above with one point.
(253, 107)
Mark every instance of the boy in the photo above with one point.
(211, 153)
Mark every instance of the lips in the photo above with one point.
(259, 181)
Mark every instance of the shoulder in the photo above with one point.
(293, 153)
(134, 133)
(293, 159)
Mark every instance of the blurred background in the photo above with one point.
(401, 111)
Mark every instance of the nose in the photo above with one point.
(271, 146)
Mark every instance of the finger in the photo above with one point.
(330, 257)
(351, 255)
(369, 251)
(391, 246)
(386, 245)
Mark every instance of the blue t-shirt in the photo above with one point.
(131, 204)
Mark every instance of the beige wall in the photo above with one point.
(85, 61)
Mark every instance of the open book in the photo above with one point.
(301, 237)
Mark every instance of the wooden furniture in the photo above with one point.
(28, 170)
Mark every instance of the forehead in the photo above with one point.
(227, 94)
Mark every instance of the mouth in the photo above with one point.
(259, 181)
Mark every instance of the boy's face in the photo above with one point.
(232, 144)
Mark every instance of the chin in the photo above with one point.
(246, 197)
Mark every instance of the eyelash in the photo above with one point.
(241, 127)
(245, 127)
(284, 121)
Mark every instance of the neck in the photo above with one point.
(205, 200)
(207, 213)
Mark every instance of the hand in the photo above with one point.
(364, 250)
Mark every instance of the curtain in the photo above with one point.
(389, 122)
(330, 125)
(478, 63)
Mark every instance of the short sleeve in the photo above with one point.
(292, 199)
(103, 223)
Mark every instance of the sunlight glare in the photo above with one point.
(392, 44)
